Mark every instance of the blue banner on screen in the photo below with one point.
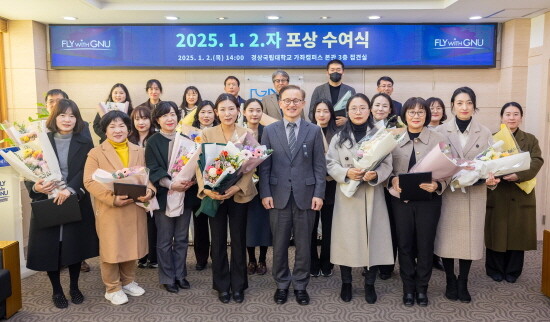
(273, 46)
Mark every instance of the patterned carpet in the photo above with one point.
(492, 301)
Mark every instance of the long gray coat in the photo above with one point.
(461, 225)
(361, 233)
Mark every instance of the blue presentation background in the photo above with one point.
(142, 46)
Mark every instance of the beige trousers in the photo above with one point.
(115, 275)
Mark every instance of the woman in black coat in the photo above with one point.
(65, 245)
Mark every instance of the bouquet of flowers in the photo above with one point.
(183, 164)
(493, 160)
(36, 160)
(104, 108)
(20, 133)
(438, 161)
(134, 175)
(220, 165)
(252, 152)
(372, 150)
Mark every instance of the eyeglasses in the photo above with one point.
(412, 113)
(278, 81)
(356, 109)
(296, 101)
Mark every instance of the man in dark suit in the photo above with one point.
(332, 91)
(385, 85)
(292, 187)
(232, 85)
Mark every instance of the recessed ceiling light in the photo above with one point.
(222, 18)
(374, 17)
(475, 17)
(70, 18)
(171, 18)
(325, 17)
(273, 17)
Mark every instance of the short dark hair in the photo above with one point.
(231, 77)
(413, 102)
(114, 115)
(141, 111)
(163, 108)
(335, 61)
(61, 107)
(465, 90)
(515, 104)
(430, 101)
(384, 78)
(150, 83)
(289, 87)
(386, 96)
(196, 122)
(346, 134)
(55, 91)
(226, 97)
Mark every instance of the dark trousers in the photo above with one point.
(201, 238)
(322, 262)
(152, 241)
(388, 269)
(504, 263)
(370, 274)
(172, 243)
(416, 225)
(285, 221)
(228, 276)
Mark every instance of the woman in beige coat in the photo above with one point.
(121, 225)
(460, 230)
(361, 234)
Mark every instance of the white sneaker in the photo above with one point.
(117, 298)
(133, 289)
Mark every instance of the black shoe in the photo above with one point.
(302, 297)
(172, 288)
(200, 267)
(384, 276)
(408, 299)
(142, 264)
(76, 296)
(463, 294)
(345, 293)
(281, 295)
(511, 279)
(422, 299)
(224, 297)
(451, 290)
(315, 273)
(326, 273)
(60, 301)
(238, 296)
(152, 265)
(370, 294)
(183, 284)
(497, 277)
(437, 263)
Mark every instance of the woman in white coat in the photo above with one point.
(361, 234)
(461, 225)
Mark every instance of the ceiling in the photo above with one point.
(255, 11)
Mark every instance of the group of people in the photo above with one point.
(298, 187)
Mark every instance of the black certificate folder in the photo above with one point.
(410, 186)
(45, 213)
(133, 191)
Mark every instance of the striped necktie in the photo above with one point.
(291, 137)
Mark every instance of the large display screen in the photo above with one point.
(273, 46)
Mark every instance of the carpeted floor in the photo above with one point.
(492, 301)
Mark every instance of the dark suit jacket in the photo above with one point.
(323, 92)
(397, 107)
(302, 173)
(156, 159)
(79, 239)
